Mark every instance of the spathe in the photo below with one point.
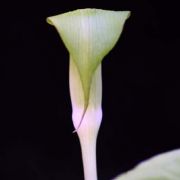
(89, 35)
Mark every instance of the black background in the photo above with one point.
(140, 91)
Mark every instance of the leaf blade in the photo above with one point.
(165, 166)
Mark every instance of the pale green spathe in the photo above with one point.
(165, 166)
(89, 35)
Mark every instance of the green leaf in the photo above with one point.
(89, 35)
(165, 166)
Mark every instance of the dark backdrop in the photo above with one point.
(140, 91)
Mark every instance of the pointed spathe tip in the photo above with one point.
(49, 21)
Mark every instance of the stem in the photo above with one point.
(88, 149)
(87, 134)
